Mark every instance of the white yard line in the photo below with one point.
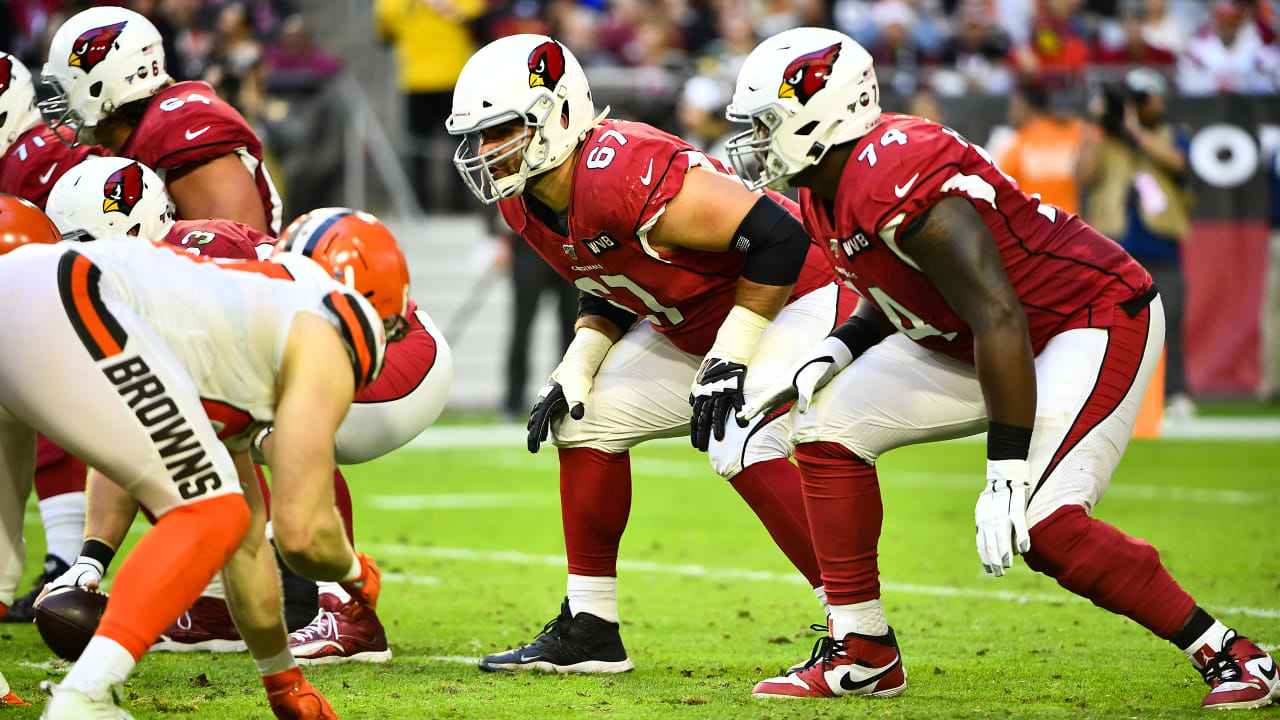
(515, 557)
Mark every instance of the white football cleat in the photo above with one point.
(71, 704)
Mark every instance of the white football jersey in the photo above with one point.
(227, 321)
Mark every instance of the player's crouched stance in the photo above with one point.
(263, 343)
(982, 308)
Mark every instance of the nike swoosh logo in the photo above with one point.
(902, 190)
(529, 658)
(648, 174)
(192, 135)
(48, 174)
(1269, 673)
(849, 684)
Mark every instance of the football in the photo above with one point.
(68, 617)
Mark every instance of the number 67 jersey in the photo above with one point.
(1066, 274)
(626, 174)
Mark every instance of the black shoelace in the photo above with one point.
(550, 627)
(1223, 667)
(825, 649)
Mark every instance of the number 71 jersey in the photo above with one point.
(1066, 274)
(626, 174)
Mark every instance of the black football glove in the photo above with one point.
(716, 394)
(550, 405)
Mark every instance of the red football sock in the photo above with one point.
(57, 471)
(1117, 572)
(186, 547)
(842, 500)
(595, 500)
(773, 491)
(342, 500)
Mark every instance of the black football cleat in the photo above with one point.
(568, 644)
(23, 609)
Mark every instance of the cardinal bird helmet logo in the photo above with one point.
(808, 74)
(546, 65)
(122, 190)
(6, 73)
(93, 45)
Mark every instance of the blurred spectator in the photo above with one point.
(895, 48)
(531, 278)
(976, 55)
(1135, 48)
(1056, 47)
(700, 115)
(432, 42)
(1161, 28)
(1230, 55)
(302, 117)
(1135, 171)
(1045, 150)
(236, 68)
(924, 105)
(293, 61)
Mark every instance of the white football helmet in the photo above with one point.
(803, 91)
(105, 196)
(17, 100)
(531, 78)
(100, 59)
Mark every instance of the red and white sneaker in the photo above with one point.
(341, 632)
(1241, 676)
(206, 626)
(855, 665)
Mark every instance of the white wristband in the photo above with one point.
(1016, 471)
(738, 335)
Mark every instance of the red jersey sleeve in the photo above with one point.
(189, 124)
(905, 166)
(217, 239)
(632, 172)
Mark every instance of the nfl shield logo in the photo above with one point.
(568, 250)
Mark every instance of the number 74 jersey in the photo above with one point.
(1066, 274)
(626, 174)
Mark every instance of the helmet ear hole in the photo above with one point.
(96, 89)
(564, 115)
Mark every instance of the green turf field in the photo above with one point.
(470, 544)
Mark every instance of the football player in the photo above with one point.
(981, 309)
(32, 158)
(107, 68)
(727, 284)
(165, 396)
(116, 196)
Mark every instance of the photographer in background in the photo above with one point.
(1133, 169)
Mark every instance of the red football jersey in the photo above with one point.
(220, 239)
(188, 124)
(36, 160)
(626, 174)
(1067, 274)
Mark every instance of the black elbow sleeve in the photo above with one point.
(775, 243)
(589, 304)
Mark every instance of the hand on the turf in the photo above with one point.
(1001, 515)
(716, 395)
(806, 377)
(85, 573)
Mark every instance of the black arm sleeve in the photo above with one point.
(775, 243)
(589, 304)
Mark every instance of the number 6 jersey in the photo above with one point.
(1066, 274)
(626, 174)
